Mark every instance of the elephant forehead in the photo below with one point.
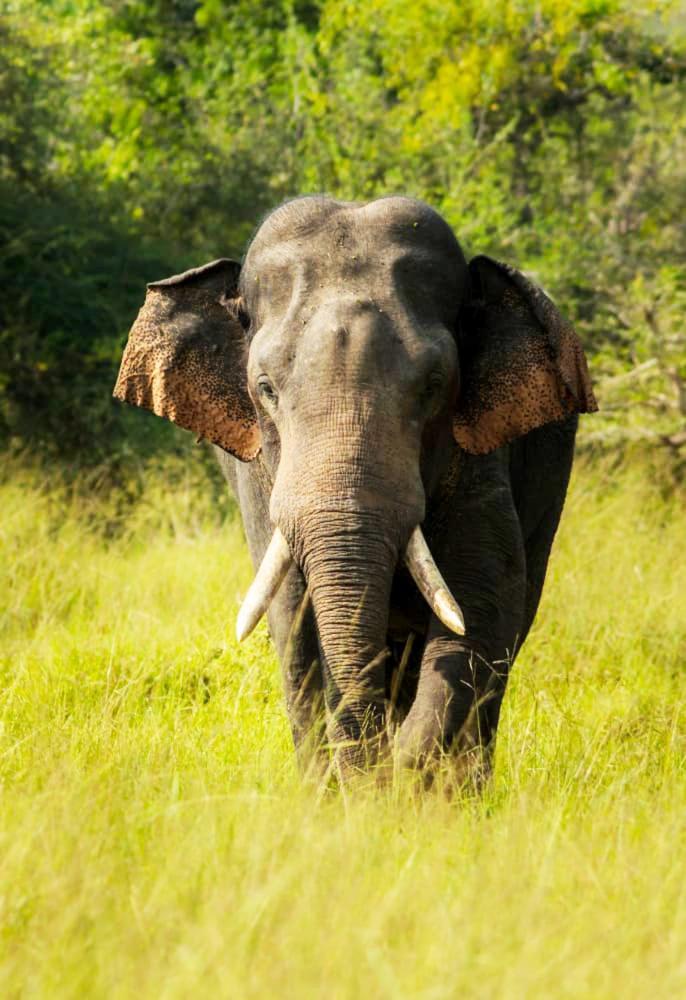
(407, 221)
(317, 245)
(349, 342)
(294, 282)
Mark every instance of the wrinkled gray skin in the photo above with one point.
(353, 369)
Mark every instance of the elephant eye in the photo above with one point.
(243, 317)
(432, 387)
(266, 391)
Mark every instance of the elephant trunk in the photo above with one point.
(349, 559)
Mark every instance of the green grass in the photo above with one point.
(155, 840)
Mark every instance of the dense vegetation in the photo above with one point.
(138, 137)
(155, 839)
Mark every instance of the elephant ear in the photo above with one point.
(521, 364)
(186, 358)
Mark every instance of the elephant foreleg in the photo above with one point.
(291, 624)
(476, 537)
(291, 621)
(456, 707)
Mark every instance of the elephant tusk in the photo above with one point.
(269, 577)
(433, 587)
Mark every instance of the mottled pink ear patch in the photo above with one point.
(186, 358)
(522, 365)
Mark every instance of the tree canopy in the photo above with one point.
(138, 138)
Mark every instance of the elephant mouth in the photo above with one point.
(417, 557)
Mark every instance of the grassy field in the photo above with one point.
(155, 840)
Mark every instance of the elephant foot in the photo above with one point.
(464, 764)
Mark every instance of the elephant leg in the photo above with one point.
(292, 628)
(291, 621)
(540, 467)
(456, 708)
(477, 539)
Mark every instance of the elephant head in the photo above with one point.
(352, 349)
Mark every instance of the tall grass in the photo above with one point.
(155, 839)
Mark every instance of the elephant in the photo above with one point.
(398, 426)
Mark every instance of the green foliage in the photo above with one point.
(69, 267)
(155, 838)
(67, 275)
(141, 137)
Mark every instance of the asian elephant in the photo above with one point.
(398, 426)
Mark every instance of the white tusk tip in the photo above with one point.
(448, 611)
(269, 577)
(246, 620)
(431, 584)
